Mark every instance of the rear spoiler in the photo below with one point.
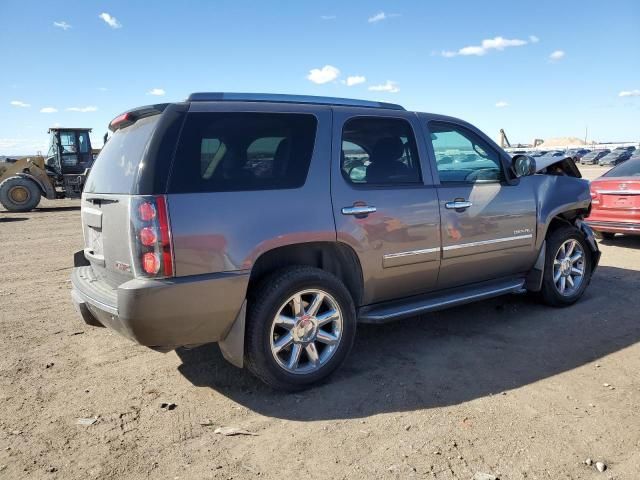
(132, 116)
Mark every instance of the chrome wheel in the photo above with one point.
(306, 331)
(568, 267)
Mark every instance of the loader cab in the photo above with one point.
(69, 151)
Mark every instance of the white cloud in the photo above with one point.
(63, 25)
(355, 80)
(496, 43)
(328, 17)
(328, 73)
(557, 55)
(389, 86)
(502, 104)
(533, 39)
(158, 92)
(629, 93)
(377, 17)
(18, 103)
(89, 108)
(111, 21)
(48, 110)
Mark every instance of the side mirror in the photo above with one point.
(523, 165)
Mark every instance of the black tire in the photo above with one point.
(550, 293)
(263, 305)
(605, 235)
(19, 194)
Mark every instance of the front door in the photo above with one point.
(488, 225)
(385, 205)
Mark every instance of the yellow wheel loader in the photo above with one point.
(61, 174)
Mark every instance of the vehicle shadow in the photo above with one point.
(625, 241)
(445, 358)
(57, 209)
(13, 219)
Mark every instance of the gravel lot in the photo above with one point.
(505, 387)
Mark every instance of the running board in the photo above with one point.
(410, 307)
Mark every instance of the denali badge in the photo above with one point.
(123, 267)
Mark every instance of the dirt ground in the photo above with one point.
(506, 387)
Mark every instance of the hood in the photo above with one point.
(557, 166)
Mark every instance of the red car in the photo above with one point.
(616, 200)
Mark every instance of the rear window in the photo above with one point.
(221, 152)
(117, 165)
(630, 168)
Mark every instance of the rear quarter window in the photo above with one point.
(117, 165)
(242, 151)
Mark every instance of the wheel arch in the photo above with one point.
(46, 188)
(336, 258)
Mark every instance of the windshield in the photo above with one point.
(630, 168)
(115, 169)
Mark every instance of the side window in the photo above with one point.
(83, 142)
(220, 152)
(461, 156)
(379, 151)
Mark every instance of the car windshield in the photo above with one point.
(630, 168)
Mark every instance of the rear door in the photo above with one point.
(384, 203)
(488, 225)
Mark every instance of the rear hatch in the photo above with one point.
(106, 202)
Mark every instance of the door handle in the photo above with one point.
(358, 210)
(458, 205)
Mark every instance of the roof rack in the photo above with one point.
(280, 98)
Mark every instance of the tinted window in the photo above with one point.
(115, 169)
(462, 156)
(243, 151)
(379, 151)
(630, 168)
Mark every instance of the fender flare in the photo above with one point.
(46, 189)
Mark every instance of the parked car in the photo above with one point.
(594, 156)
(616, 200)
(236, 218)
(577, 153)
(615, 157)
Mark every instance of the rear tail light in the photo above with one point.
(153, 249)
(595, 197)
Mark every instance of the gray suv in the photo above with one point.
(273, 224)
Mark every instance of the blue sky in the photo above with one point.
(491, 63)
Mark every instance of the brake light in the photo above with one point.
(152, 236)
(146, 211)
(119, 121)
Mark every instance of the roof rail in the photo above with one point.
(280, 98)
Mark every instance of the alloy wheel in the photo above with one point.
(306, 331)
(568, 267)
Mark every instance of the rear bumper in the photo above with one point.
(162, 314)
(615, 227)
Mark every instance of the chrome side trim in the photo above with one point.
(358, 210)
(618, 192)
(487, 242)
(389, 256)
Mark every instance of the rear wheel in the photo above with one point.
(568, 267)
(301, 324)
(18, 194)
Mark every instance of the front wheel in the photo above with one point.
(568, 267)
(19, 194)
(301, 324)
